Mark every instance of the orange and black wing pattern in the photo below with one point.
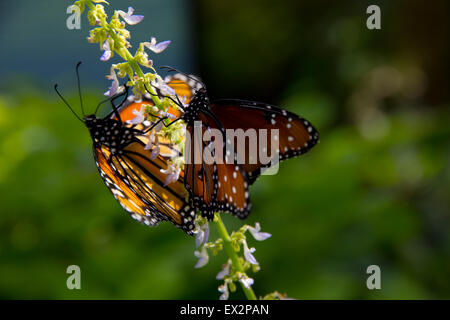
(213, 184)
(200, 174)
(135, 177)
(223, 185)
(184, 87)
(287, 135)
(216, 181)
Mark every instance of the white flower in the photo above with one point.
(183, 102)
(224, 290)
(166, 89)
(115, 88)
(163, 86)
(153, 143)
(107, 54)
(172, 174)
(248, 254)
(246, 281)
(156, 47)
(140, 116)
(224, 272)
(129, 17)
(203, 258)
(150, 143)
(167, 115)
(202, 234)
(260, 236)
(155, 152)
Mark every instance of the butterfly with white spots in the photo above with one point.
(134, 177)
(223, 185)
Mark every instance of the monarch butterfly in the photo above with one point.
(223, 185)
(132, 176)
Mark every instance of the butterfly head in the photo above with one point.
(108, 132)
(90, 120)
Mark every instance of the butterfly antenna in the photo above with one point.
(79, 87)
(116, 108)
(156, 123)
(67, 104)
(186, 75)
(109, 99)
(178, 103)
(213, 116)
(159, 120)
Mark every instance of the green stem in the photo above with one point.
(127, 56)
(222, 230)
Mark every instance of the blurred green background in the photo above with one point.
(374, 191)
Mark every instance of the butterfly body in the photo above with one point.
(109, 132)
(199, 103)
(136, 177)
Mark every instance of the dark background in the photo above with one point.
(374, 191)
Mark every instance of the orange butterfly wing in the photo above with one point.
(136, 180)
(214, 186)
(295, 137)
